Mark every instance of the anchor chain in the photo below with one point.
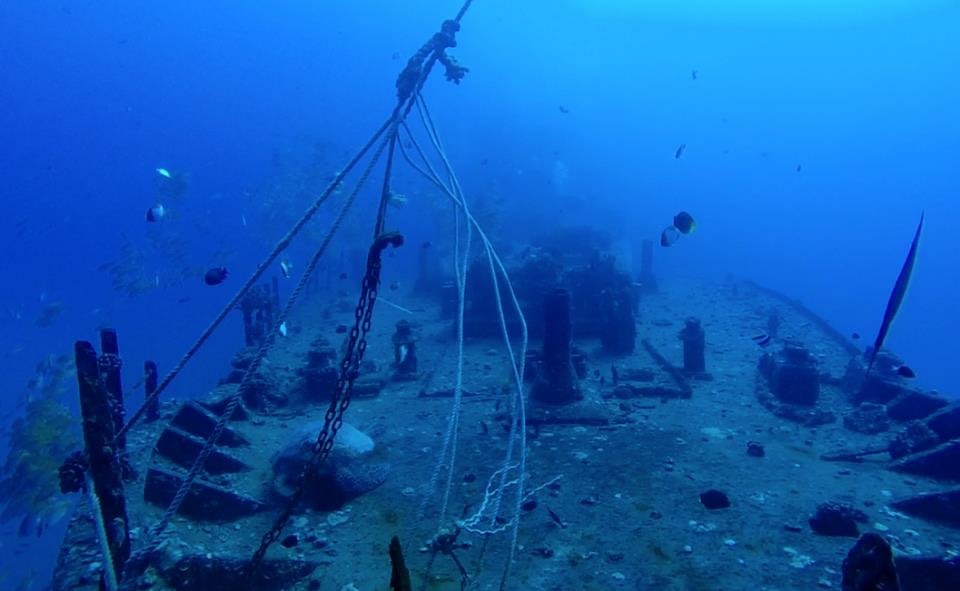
(349, 371)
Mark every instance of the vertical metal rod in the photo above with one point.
(149, 387)
(102, 456)
(110, 369)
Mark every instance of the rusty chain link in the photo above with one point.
(349, 370)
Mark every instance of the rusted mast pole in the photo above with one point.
(109, 365)
(103, 459)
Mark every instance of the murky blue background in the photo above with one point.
(95, 95)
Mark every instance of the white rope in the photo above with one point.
(109, 576)
(448, 455)
(517, 403)
(392, 305)
(453, 429)
(472, 523)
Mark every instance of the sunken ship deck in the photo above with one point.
(627, 463)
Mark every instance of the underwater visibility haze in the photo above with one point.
(556, 294)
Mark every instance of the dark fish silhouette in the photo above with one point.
(897, 296)
(156, 213)
(905, 372)
(26, 526)
(49, 314)
(564, 110)
(556, 518)
(215, 276)
(679, 151)
(855, 336)
(684, 222)
(693, 74)
(762, 340)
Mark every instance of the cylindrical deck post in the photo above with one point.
(110, 364)
(449, 300)
(404, 351)
(557, 380)
(429, 275)
(149, 387)
(694, 343)
(274, 307)
(618, 324)
(248, 326)
(648, 281)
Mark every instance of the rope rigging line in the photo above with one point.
(349, 367)
(340, 401)
(445, 467)
(385, 193)
(463, 10)
(156, 535)
(410, 81)
(450, 441)
(453, 424)
(109, 574)
(409, 84)
(257, 274)
(517, 436)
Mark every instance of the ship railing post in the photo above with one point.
(102, 453)
(149, 387)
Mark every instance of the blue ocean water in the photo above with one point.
(816, 133)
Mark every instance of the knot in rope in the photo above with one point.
(72, 473)
(446, 37)
(445, 541)
(414, 73)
